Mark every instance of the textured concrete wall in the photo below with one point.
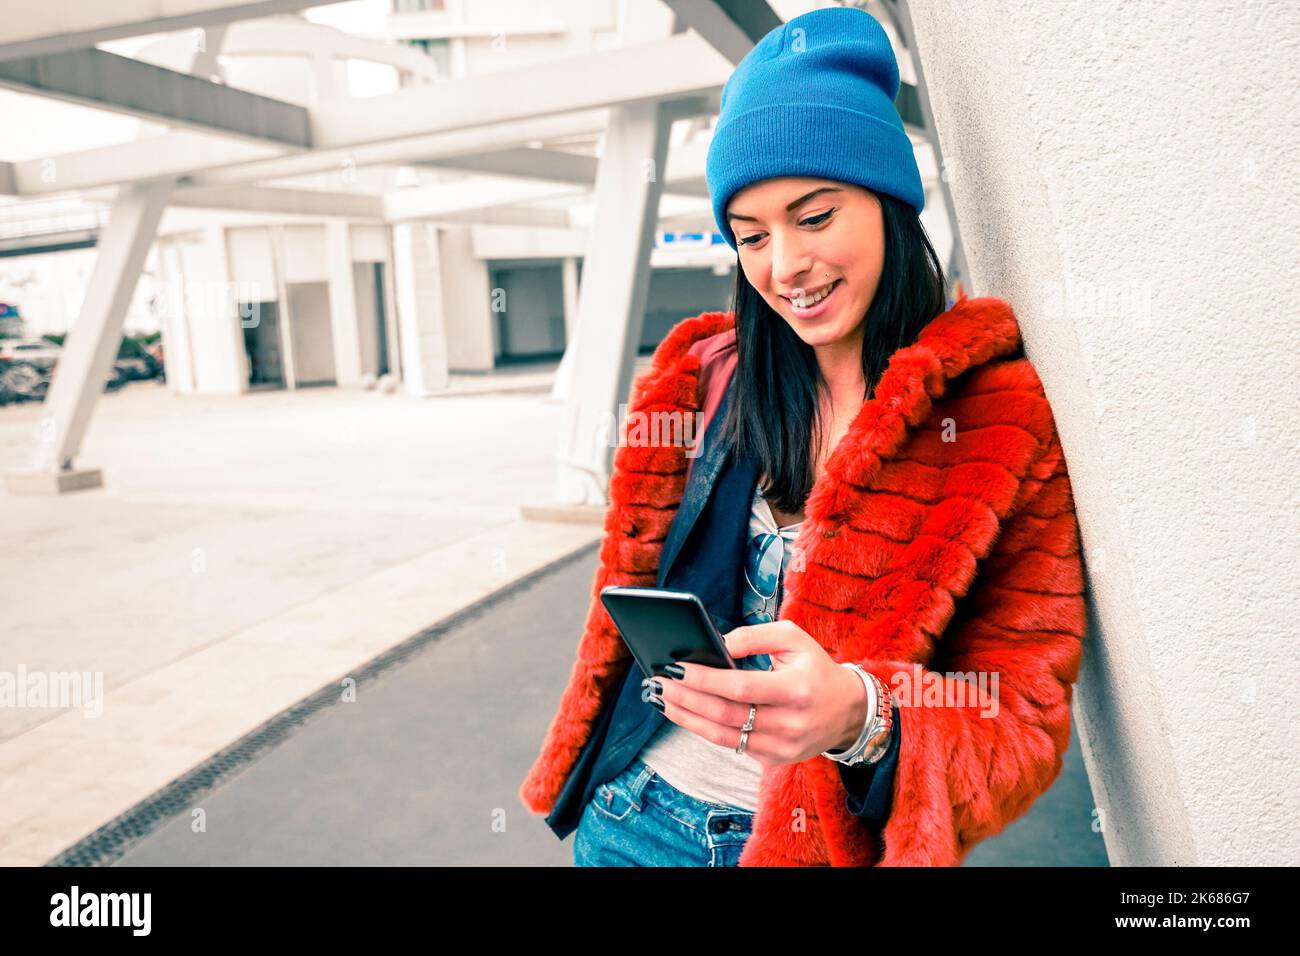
(1124, 176)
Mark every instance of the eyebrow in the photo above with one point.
(790, 208)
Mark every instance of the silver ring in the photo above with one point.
(744, 731)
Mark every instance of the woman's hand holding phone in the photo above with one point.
(807, 703)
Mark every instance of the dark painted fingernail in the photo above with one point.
(656, 702)
(675, 671)
(656, 688)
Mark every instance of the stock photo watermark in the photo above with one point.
(927, 688)
(126, 910)
(652, 430)
(1119, 301)
(206, 297)
(22, 688)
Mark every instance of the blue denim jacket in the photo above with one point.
(702, 553)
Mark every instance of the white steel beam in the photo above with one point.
(611, 299)
(445, 200)
(168, 155)
(508, 215)
(731, 26)
(431, 24)
(442, 206)
(595, 374)
(35, 29)
(287, 36)
(451, 202)
(679, 66)
(208, 160)
(556, 166)
(547, 165)
(125, 85)
(91, 346)
(279, 199)
(458, 144)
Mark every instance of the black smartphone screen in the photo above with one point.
(661, 626)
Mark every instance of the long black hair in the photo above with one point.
(776, 408)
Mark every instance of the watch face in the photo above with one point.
(877, 743)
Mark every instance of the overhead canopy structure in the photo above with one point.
(508, 134)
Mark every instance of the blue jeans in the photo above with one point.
(638, 819)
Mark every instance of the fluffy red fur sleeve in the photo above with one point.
(969, 767)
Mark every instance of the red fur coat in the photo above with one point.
(942, 534)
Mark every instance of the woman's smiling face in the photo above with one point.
(796, 235)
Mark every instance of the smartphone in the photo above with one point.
(661, 626)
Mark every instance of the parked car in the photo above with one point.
(40, 353)
(27, 366)
(155, 348)
(137, 362)
(21, 381)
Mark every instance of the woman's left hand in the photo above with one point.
(807, 703)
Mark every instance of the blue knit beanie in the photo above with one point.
(815, 97)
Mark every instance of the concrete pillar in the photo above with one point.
(343, 304)
(421, 323)
(1122, 175)
(467, 301)
(564, 372)
(280, 262)
(178, 358)
(569, 276)
(211, 319)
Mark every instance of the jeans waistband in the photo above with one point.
(720, 824)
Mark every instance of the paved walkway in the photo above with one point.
(243, 552)
(424, 767)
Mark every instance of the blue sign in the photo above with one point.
(683, 240)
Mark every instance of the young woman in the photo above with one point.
(880, 521)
